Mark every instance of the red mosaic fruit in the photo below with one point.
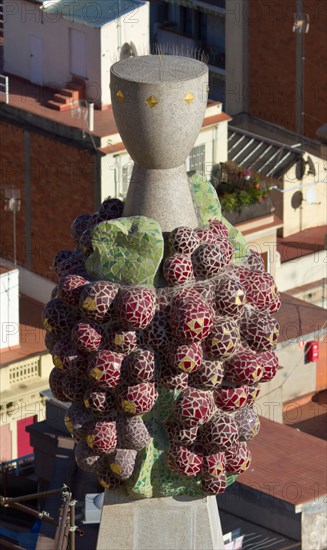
(66, 357)
(214, 485)
(133, 432)
(255, 261)
(275, 305)
(210, 260)
(112, 208)
(54, 293)
(220, 433)
(105, 368)
(208, 376)
(69, 262)
(107, 479)
(99, 401)
(193, 407)
(86, 337)
(240, 461)
(74, 388)
(70, 288)
(178, 269)
(158, 333)
(248, 423)
(183, 240)
(213, 465)
(139, 366)
(56, 384)
(231, 398)
(136, 307)
(85, 242)
(138, 399)
(183, 461)
(165, 296)
(122, 341)
(245, 366)
(187, 357)
(230, 298)
(206, 291)
(180, 434)
(218, 228)
(270, 365)
(224, 339)
(78, 420)
(87, 459)
(253, 393)
(79, 225)
(58, 318)
(206, 235)
(191, 319)
(171, 377)
(260, 331)
(97, 299)
(259, 287)
(102, 437)
(122, 463)
(50, 341)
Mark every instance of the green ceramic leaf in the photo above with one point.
(126, 251)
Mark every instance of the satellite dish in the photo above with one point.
(128, 50)
(311, 166)
(296, 200)
(300, 168)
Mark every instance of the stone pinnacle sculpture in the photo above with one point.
(161, 325)
(159, 103)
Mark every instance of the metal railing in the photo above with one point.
(17, 465)
(4, 88)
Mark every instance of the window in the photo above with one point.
(197, 158)
(126, 176)
(187, 21)
(216, 87)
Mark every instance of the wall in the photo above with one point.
(314, 529)
(9, 309)
(132, 27)
(26, 20)
(22, 399)
(307, 215)
(300, 271)
(272, 63)
(57, 181)
(33, 285)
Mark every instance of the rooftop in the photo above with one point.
(262, 155)
(25, 97)
(6, 268)
(31, 333)
(283, 457)
(265, 129)
(298, 318)
(302, 243)
(94, 14)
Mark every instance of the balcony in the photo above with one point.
(171, 41)
(243, 195)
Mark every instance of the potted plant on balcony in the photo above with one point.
(243, 194)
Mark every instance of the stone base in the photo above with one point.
(164, 195)
(170, 523)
